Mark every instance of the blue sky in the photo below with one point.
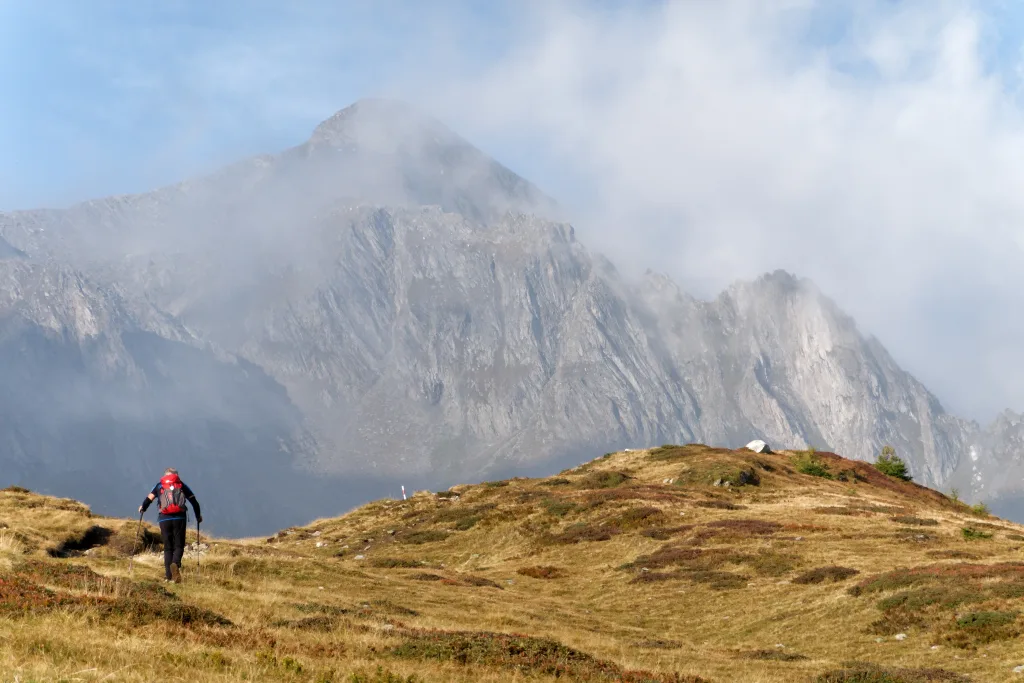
(110, 96)
(875, 146)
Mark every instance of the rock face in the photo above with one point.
(775, 358)
(384, 300)
(993, 469)
(9, 252)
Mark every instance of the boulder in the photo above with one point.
(759, 446)
(748, 477)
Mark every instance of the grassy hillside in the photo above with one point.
(673, 564)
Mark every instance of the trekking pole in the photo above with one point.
(135, 547)
(199, 540)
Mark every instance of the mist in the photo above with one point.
(872, 147)
(274, 273)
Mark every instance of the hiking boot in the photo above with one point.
(175, 573)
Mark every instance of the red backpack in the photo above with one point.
(172, 496)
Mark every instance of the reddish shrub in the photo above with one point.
(524, 654)
(665, 533)
(753, 527)
(603, 479)
(719, 505)
(831, 574)
(542, 572)
(640, 517)
(479, 581)
(915, 521)
(872, 673)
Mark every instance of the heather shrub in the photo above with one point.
(809, 463)
(916, 521)
(971, 534)
(541, 572)
(603, 479)
(557, 507)
(831, 574)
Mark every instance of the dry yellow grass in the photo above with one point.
(47, 526)
(635, 562)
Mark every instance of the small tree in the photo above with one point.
(891, 464)
(980, 509)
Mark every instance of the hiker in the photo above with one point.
(173, 493)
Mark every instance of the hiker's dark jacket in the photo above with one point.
(189, 496)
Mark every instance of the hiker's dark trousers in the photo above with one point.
(173, 533)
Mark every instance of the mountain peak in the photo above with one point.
(783, 279)
(393, 152)
(379, 122)
(776, 286)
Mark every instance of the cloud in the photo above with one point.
(109, 98)
(877, 148)
(873, 146)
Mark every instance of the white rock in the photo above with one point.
(360, 557)
(1018, 669)
(901, 636)
(758, 446)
